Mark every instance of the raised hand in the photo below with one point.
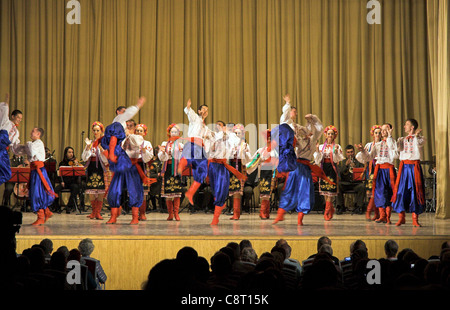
(188, 105)
(141, 101)
(287, 98)
(359, 147)
(7, 98)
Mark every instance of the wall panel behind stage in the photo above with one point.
(238, 56)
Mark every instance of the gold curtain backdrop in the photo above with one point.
(237, 56)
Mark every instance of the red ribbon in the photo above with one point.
(37, 165)
(316, 170)
(417, 180)
(146, 180)
(230, 168)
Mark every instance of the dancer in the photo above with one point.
(194, 151)
(409, 190)
(384, 154)
(266, 160)
(169, 154)
(327, 155)
(219, 171)
(140, 152)
(97, 168)
(125, 174)
(9, 135)
(298, 191)
(240, 156)
(41, 192)
(375, 133)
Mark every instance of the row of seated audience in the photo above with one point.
(39, 267)
(237, 267)
(234, 267)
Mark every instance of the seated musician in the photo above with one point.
(347, 180)
(69, 182)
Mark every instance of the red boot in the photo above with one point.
(98, 210)
(382, 218)
(47, 214)
(371, 207)
(93, 206)
(142, 210)
(176, 208)
(217, 212)
(300, 218)
(415, 218)
(134, 216)
(191, 191)
(280, 216)
(329, 211)
(236, 209)
(114, 214)
(264, 213)
(169, 204)
(40, 218)
(388, 215)
(401, 218)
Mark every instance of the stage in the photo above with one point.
(128, 252)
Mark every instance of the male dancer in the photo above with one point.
(194, 151)
(125, 173)
(384, 154)
(41, 192)
(297, 143)
(219, 170)
(9, 135)
(409, 191)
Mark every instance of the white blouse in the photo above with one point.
(382, 152)
(35, 150)
(136, 147)
(307, 137)
(325, 153)
(410, 147)
(169, 150)
(7, 124)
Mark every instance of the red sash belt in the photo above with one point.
(230, 168)
(417, 180)
(327, 160)
(37, 165)
(316, 170)
(391, 175)
(146, 180)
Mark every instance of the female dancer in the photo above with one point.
(327, 156)
(96, 169)
(266, 160)
(169, 154)
(239, 158)
(140, 152)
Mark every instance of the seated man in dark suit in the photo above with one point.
(347, 182)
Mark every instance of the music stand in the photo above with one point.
(358, 174)
(72, 171)
(20, 175)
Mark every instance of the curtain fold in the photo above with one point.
(237, 56)
(438, 26)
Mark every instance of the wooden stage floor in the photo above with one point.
(198, 224)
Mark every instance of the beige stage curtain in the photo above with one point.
(237, 56)
(438, 13)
